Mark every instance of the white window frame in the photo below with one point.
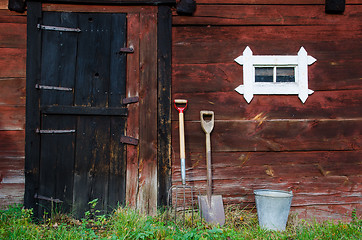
(300, 63)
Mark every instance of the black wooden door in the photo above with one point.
(81, 114)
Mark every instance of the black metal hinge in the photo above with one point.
(47, 198)
(130, 100)
(51, 131)
(129, 140)
(44, 87)
(55, 28)
(126, 50)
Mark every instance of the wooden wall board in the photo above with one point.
(257, 164)
(271, 15)
(271, 2)
(147, 192)
(133, 119)
(119, 2)
(229, 105)
(12, 118)
(224, 44)
(12, 193)
(7, 16)
(10, 166)
(275, 135)
(12, 143)
(316, 190)
(12, 35)
(12, 91)
(97, 8)
(342, 212)
(327, 73)
(12, 62)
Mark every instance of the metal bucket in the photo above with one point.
(273, 208)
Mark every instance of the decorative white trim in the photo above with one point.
(300, 62)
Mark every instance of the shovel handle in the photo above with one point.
(208, 167)
(181, 109)
(208, 126)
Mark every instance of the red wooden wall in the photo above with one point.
(275, 142)
(12, 104)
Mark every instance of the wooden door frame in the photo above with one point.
(148, 176)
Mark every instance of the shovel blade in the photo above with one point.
(213, 212)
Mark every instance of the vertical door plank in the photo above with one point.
(57, 150)
(92, 89)
(132, 90)
(117, 167)
(56, 163)
(58, 58)
(92, 78)
(65, 162)
(147, 197)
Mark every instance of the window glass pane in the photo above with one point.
(285, 74)
(263, 74)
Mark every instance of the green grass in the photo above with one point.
(125, 223)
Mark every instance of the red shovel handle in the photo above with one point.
(180, 101)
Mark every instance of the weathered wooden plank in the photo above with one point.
(133, 120)
(92, 67)
(12, 62)
(308, 191)
(230, 105)
(11, 166)
(282, 165)
(117, 89)
(147, 195)
(271, 2)
(32, 147)
(58, 59)
(12, 91)
(98, 8)
(330, 213)
(272, 15)
(11, 193)
(328, 73)
(13, 35)
(282, 174)
(12, 143)
(275, 135)
(11, 180)
(139, 2)
(164, 42)
(12, 117)
(64, 155)
(203, 45)
(56, 164)
(316, 187)
(80, 110)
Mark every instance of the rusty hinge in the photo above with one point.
(55, 28)
(130, 100)
(129, 140)
(126, 50)
(47, 198)
(38, 86)
(54, 131)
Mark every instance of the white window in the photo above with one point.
(281, 74)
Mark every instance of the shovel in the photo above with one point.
(211, 206)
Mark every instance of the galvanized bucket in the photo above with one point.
(273, 208)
